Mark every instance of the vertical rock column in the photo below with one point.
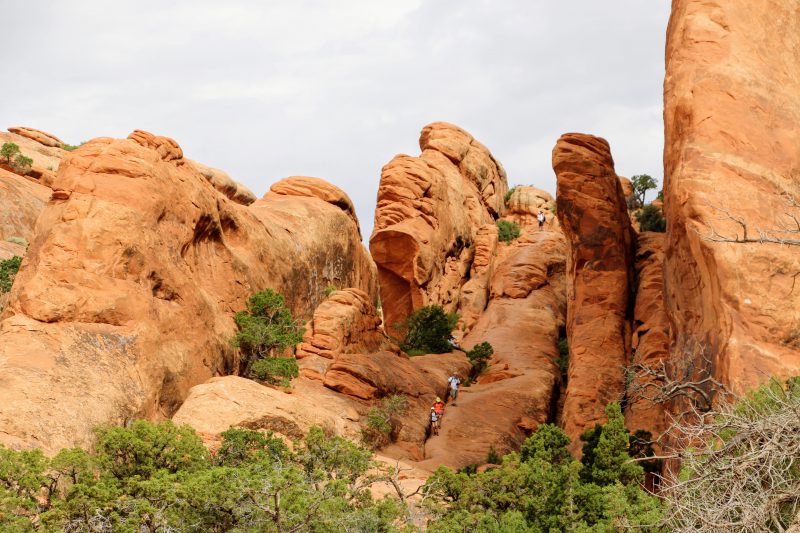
(731, 151)
(592, 212)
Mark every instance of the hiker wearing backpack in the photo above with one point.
(434, 422)
(454, 382)
(541, 218)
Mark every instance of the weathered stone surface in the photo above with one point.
(517, 391)
(525, 203)
(131, 281)
(346, 322)
(650, 337)
(231, 401)
(41, 137)
(594, 217)
(731, 109)
(46, 158)
(429, 211)
(22, 201)
(225, 184)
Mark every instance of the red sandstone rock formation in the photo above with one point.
(650, 338)
(346, 322)
(429, 211)
(46, 154)
(23, 200)
(522, 323)
(226, 185)
(126, 297)
(731, 109)
(593, 214)
(41, 137)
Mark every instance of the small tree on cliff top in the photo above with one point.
(641, 184)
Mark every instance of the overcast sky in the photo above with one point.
(335, 89)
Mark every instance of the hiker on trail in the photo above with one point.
(438, 407)
(454, 382)
(541, 218)
(434, 422)
(453, 344)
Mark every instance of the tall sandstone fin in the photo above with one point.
(594, 218)
(732, 151)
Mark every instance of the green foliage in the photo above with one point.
(542, 488)
(428, 330)
(479, 357)
(383, 421)
(266, 330)
(330, 289)
(22, 164)
(71, 147)
(509, 194)
(8, 271)
(641, 184)
(651, 219)
(275, 370)
(157, 477)
(563, 355)
(492, 457)
(507, 231)
(9, 151)
(660, 195)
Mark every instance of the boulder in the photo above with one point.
(129, 288)
(429, 211)
(731, 159)
(594, 217)
(23, 201)
(346, 322)
(46, 157)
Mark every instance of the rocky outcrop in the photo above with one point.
(731, 109)
(525, 203)
(346, 322)
(225, 184)
(650, 336)
(594, 217)
(41, 137)
(429, 211)
(132, 279)
(23, 201)
(522, 321)
(41, 148)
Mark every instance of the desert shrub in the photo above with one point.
(542, 488)
(8, 271)
(492, 457)
(330, 289)
(479, 357)
(71, 147)
(22, 164)
(159, 477)
(651, 219)
(275, 370)
(428, 330)
(507, 231)
(509, 194)
(9, 151)
(740, 465)
(266, 330)
(383, 421)
(563, 355)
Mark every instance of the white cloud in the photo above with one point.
(335, 89)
